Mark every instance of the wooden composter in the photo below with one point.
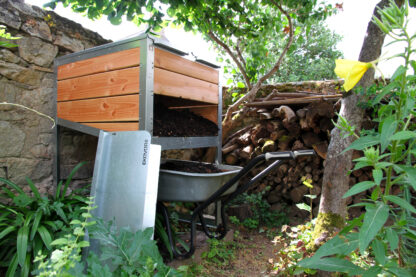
(120, 86)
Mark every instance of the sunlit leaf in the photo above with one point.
(360, 187)
(374, 219)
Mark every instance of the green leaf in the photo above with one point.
(69, 179)
(401, 70)
(33, 188)
(387, 89)
(360, 187)
(410, 233)
(403, 135)
(401, 202)
(22, 241)
(75, 221)
(374, 219)
(352, 224)
(12, 185)
(373, 271)
(331, 265)
(12, 267)
(363, 142)
(26, 267)
(393, 238)
(413, 63)
(387, 130)
(338, 245)
(46, 236)
(303, 206)
(378, 176)
(83, 243)
(411, 174)
(397, 271)
(240, 85)
(35, 224)
(7, 231)
(22, 200)
(59, 241)
(57, 207)
(379, 251)
(58, 190)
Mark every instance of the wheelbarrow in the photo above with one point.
(209, 188)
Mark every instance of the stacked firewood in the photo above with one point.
(288, 121)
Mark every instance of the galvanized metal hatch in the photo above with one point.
(125, 180)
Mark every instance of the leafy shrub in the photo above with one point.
(66, 259)
(262, 215)
(121, 252)
(390, 151)
(294, 251)
(128, 253)
(220, 252)
(28, 224)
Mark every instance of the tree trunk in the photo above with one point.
(333, 208)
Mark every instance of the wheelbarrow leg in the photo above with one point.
(172, 242)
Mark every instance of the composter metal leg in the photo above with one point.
(56, 162)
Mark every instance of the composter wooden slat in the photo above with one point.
(114, 126)
(118, 82)
(178, 64)
(210, 113)
(117, 60)
(177, 85)
(118, 108)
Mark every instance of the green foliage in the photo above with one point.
(262, 215)
(29, 222)
(234, 220)
(220, 252)
(7, 36)
(122, 252)
(390, 150)
(246, 31)
(291, 253)
(66, 259)
(304, 206)
(311, 56)
(129, 253)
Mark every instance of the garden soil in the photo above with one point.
(254, 255)
(175, 123)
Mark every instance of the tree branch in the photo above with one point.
(252, 93)
(240, 56)
(233, 56)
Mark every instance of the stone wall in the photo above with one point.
(26, 78)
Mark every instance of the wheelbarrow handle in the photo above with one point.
(287, 155)
(301, 153)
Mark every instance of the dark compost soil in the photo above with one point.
(174, 123)
(192, 167)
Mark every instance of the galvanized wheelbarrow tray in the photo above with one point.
(193, 187)
(208, 188)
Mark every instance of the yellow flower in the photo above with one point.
(350, 71)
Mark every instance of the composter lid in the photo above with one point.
(125, 181)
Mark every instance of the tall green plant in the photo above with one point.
(390, 151)
(29, 222)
